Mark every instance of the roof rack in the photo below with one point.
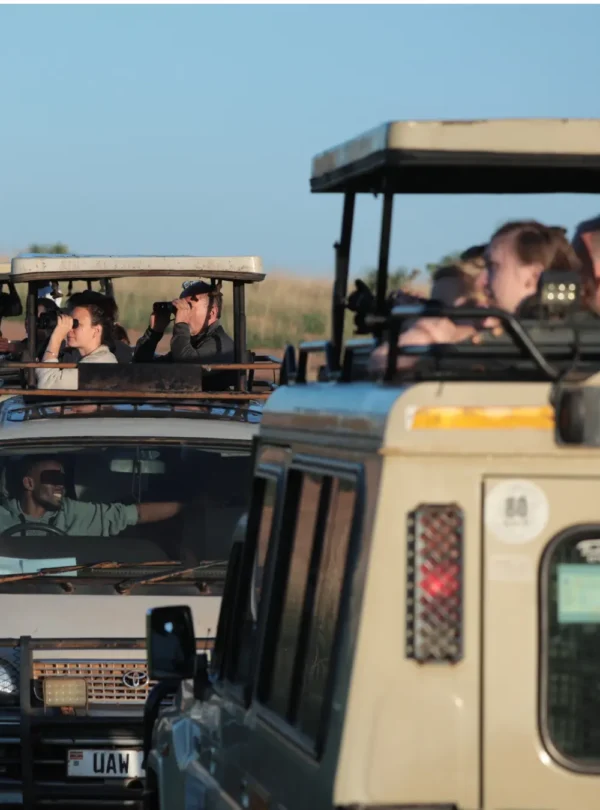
(512, 156)
(16, 410)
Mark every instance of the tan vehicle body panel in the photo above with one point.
(413, 733)
(418, 734)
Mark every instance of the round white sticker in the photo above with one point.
(516, 511)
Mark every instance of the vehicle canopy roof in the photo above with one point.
(499, 156)
(53, 267)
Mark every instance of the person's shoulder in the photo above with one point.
(102, 355)
(9, 505)
(123, 352)
(220, 330)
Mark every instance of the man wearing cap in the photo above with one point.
(198, 336)
(42, 500)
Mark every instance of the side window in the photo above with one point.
(260, 527)
(570, 710)
(325, 613)
(265, 529)
(311, 570)
(311, 492)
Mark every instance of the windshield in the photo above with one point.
(125, 517)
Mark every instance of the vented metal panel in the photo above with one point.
(434, 603)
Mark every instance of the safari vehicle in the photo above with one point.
(73, 673)
(414, 618)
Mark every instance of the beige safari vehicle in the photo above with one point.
(73, 595)
(413, 618)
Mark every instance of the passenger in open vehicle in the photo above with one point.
(17, 349)
(517, 255)
(10, 303)
(586, 243)
(472, 261)
(88, 328)
(198, 336)
(452, 285)
(42, 499)
(113, 338)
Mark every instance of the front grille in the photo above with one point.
(107, 681)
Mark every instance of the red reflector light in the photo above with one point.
(440, 582)
(435, 583)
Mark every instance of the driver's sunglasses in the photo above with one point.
(55, 478)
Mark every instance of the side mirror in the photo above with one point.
(171, 643)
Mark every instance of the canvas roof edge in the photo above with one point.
(535, 155)
(56, 267)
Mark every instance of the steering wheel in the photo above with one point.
(24, 527)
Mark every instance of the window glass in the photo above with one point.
(328, 594)
(265, 491)
(573, 649)
(295, 591)
(262, 542)
(76, 503)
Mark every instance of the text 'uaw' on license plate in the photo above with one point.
(105, 763)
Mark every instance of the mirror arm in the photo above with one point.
(158, 693)
(202, 684)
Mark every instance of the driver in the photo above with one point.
(42, 499)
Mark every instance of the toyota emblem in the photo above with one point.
(135, 679)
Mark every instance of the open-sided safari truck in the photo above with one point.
(77, 577)
(43, 272)
(415, 619)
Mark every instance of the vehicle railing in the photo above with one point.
(525, 348)
(147, 379)
(393, 323)
(48, 393)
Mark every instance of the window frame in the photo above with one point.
(325, 467)
(264, 472)
(582, 531)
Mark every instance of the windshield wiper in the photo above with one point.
(212, 566)
(97, 566)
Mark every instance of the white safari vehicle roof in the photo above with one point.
(485, 156)
(42, 267)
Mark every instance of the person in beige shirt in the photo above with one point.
(88, 328)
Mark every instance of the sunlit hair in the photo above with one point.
(586, 244)
(535, 243)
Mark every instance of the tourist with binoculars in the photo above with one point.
(89, 328)
(198, 336)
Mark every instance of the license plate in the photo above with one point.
(105, 764)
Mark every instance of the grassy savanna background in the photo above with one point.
(284, 308)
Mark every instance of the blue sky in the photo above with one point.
(190, 129)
